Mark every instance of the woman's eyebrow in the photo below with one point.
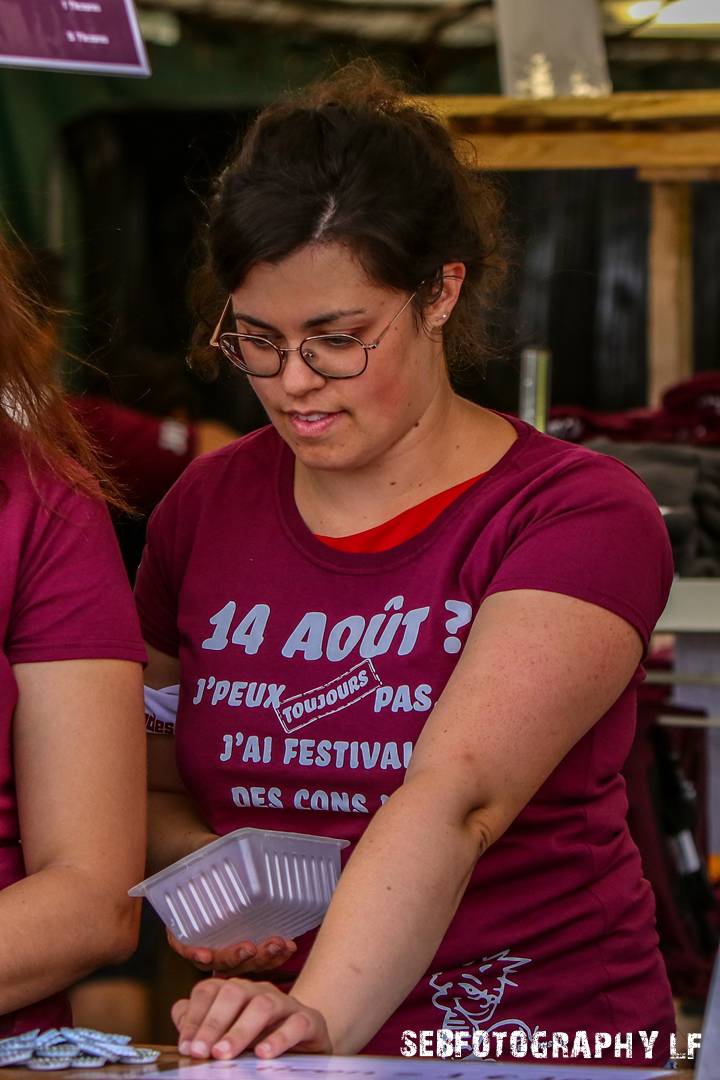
(318, 320)
(241, 317)
(331, 316)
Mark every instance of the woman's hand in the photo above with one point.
(223, 1017)
(245, 958)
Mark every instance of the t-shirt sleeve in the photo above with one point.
(145, 453)
(156, 585)
(72, 599)
(597, 534)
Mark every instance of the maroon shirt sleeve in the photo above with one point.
(146, 454)
(156, 588)
(71, 599)
(597, 534)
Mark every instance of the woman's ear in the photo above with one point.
(438, 312)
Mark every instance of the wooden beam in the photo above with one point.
(620, 108)
(594, 149)
(670, 287)
(699, 175)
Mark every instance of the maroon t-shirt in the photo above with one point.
(308, 674)
(145, 454)
(63, 596)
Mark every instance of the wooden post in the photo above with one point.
(672, 138)
(670, 287)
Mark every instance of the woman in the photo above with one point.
(71, 755)
(389, 570)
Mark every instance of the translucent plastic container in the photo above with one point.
(246, 886)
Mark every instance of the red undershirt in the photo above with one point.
(402, 527)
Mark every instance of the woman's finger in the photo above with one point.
(299, 1029)
(267, 956)
(178, 1010)
(242, 1011)
(202, 959)
(273, 946)
(227, 960)
(266, 1009)
(196, 955)
(270, 955)
(202, 1001)
(234, 958)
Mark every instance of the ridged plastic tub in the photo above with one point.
(246, 886)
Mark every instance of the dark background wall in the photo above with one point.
(113, 172)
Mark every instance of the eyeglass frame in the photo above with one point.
(216, 343)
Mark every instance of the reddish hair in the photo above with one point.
(34, 412)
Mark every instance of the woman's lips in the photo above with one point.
(312, 423)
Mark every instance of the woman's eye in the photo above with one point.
(262, 343)
(339, 341)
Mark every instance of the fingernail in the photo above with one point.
(243, 954)
(199, 1049)
(223, 1047)
(263, 1048)
(184, 1047)
(274, 950)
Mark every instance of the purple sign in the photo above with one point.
(100, 36)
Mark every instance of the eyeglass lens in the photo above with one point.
(335, 355)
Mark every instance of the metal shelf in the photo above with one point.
(693, 607)
(668, 720)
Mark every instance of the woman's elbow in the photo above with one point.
(122, 931)
(483, 829)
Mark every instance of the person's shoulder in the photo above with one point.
(245, 464)
(256, 450)
(572, 469)
(29, 483)
(582, 524)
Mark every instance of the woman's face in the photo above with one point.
(340, 423)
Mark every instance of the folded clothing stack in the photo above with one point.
(685, 480)
(689, 413)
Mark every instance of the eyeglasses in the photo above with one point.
(334, 356)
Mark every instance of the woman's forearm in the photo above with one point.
(175, 828)
(58, 925)
(389, 914)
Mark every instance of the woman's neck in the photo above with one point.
(454, 442)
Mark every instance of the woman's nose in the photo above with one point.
(297, 377)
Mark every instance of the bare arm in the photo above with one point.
(461, 792)
(463, 789)
(80, 778)
(175, 827)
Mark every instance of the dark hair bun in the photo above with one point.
(355, 160)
